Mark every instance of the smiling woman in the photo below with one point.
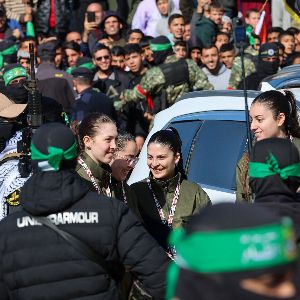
(97, 137)
(166, 199)
(123, 162)
(272, 114)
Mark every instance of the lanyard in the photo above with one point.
(92, 178)
(173, 206)
(123, 191)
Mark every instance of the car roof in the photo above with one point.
(287, 75)
(189, 104)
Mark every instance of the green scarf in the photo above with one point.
(55, 155)
(261, 170)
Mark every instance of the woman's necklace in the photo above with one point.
(171, 250)
(93, 179)
(173, 206)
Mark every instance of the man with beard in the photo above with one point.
(218, 75)
(113, 26)
(268, 64)
(169, 80)
(247, 253)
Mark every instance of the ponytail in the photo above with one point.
(292, 124)
(285, 103)
(180, 167)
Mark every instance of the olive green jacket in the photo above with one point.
(192, 198)
(243, 190)
(105, 181)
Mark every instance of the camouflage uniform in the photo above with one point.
(236, 71)
(153, 83)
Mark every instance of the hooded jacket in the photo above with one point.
(219, 80)
(35, 263)
(205, 31)
(162, 24)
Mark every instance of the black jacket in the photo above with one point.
(35, 263)
(55, 84)
(90, 100)
(62, 16)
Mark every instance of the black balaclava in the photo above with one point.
(273, 192)
(18, 93)
(268, 67)
(160, 56)
(286, 154)
(226, 286)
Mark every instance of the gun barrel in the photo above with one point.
(32, 61)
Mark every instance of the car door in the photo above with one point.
(211, 147)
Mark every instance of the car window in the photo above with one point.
(218, 147)
(187, 131)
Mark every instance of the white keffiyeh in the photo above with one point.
(10, 178)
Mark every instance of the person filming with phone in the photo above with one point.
(93, 18)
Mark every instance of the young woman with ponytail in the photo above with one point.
(166, 199)
(272, 114)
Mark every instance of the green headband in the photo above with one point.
(261, 170)
(14, 73)
(55, 156)
(160, 47)
(232, 250)
(9, 51)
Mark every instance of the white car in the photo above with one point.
(212, 127)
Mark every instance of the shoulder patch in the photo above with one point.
(58, 75)
(13, 199)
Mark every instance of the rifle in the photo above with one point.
(34, 118)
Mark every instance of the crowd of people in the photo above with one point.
(71, 227)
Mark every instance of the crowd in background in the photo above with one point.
(102, 75)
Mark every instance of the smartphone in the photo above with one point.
(91, 16)
(240, 36)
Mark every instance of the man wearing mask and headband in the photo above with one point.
(268, 64)
(14, 77)
(234, 252)
(172, 76)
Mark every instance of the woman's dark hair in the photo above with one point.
(90, 124)
(122, 140)
(285, 103)
(170, 137)
(72, 45)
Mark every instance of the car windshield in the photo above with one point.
(211, 150)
